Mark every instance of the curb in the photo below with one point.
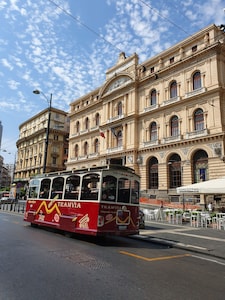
(178, 245)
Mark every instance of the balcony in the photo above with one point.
(150, 108)
(83, 157)
(195, 92)
(114, 149)
(92, 155)
(172, 139)
(84, 131)
(113, 119)
(75, 134)
(151, 143)
(170, 101)
(197, 133)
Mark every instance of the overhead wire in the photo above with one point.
(84, 25)
(163, 17)
(103, 38)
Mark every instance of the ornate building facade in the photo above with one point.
(165, 117)
(31, 144)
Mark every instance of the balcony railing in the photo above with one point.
(114, 149)
(197, 133)
(195, 92)
(113, 119)
(172, 100)
(83, 157)
(150, 108)
(151, 143)
(170, 139)
(84, 131)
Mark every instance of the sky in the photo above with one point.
(64, 48)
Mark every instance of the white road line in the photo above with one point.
(178, 244)
(209, 259)
(177, 232)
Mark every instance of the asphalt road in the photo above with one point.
(41, 264)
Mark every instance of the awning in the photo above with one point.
(214, 186)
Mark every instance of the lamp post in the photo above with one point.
(49, 101)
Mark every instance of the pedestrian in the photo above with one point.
(210, 207)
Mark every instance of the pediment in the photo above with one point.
(117, 83)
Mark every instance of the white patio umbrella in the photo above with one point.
(214, 186)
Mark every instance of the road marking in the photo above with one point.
(147, 232)
(208, 259)
(154, 258)
(172, 243)
(177, 232)
(191, 246)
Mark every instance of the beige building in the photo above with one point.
(165, 117)
(31, 144)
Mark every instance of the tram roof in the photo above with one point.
(84, 170)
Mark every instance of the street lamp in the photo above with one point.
(49, 101)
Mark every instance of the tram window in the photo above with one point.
(57, 188)
(45, 188)
(72, 187)
(124, 190)
(90, 187)
(33, 190)
(135, 186)
(109, 188)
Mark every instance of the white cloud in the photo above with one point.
(6, 64)
(49, 50)
(13, 85)
(3, 4)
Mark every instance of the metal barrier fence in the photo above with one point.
(18, 207)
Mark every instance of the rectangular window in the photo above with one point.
(54, 160)
(194, 48)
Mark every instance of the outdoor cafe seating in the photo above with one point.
(194, 218)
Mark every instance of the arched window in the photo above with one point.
(120, 109)
(86, 148)
(96, 146)
(153, 97)
(87, 123)
(197, 80)
(175, 171)
(153, 131)
(198, 119)
(76, 150)
(200, 166)
(97, 119)
(77, 127)
(174, 126)
(153, 173)
(119, 138)
(173, 89)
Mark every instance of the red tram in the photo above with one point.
(96, 201)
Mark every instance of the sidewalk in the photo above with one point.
(207, 241)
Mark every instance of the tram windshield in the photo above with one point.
(34, 188)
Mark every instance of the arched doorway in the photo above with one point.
(200, 166)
